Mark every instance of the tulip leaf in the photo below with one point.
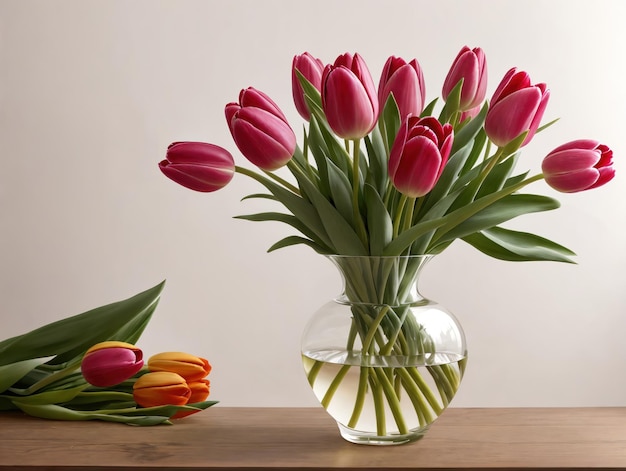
(343, 238)
(295, 240)
(65, 337)
(498, 212)
(319, 150)
(10, 374)
(470, 130)
(341, 192)
(260, 195)
(429, 109)
(505, 244)
(498, 176)
(286, 219)
(54, 396)
(56, 412)
(299, 207)
(378, 161)
(379, 224)
(453, 103)
(390, 121)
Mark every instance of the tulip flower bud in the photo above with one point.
(349, 97)
(516, 107)
(109, 363)
(406, 82)
(579, 165)
(260, 130)
(471, 66)
(198, 166)
(311, 68)
(161, 388)
(190, 367)
(419, 155)
(199, 392)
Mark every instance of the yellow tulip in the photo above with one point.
(190, 367)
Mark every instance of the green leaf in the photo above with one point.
(55, 396)
(429, 109)
(452, 103)
(378, 161)
(500, 211)
(341, 192)
(280, 217)
(496, 179)
(379, 223)
(299, 207)
(470, 130)
(511, 245)
(78, 333)
(10, 374)
(342, 236)
(390, 121)
(295, 240)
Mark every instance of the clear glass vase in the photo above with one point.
(383, 360)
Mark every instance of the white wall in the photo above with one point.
(93, 92)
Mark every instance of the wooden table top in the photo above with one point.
(223, 438)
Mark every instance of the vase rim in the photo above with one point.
(387, 257)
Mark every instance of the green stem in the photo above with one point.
(372, 328)
(428, 394)
(358, 220)
(315, 369)
(360, 397)
(392, 399)
(416, 396)
(398, 216)
(332, 389)
(379, 407)
(255, 176)
(60, 374)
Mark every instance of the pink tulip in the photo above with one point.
(419, 155)
(471, 66)
(260, 130)
(312, 69)
(516, 107)
(198, 166)
(349, 97)
(109, 363)
(406, 82)
(579, 165)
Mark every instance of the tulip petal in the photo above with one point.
(569, 160)
(574, 181)
(197, 178)
(512, 115)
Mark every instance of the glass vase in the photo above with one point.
(383, 360)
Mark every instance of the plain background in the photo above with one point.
(92, 92)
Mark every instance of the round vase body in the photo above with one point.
(383, 360)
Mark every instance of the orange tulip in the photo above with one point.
(190, 367)
(161, 388)
(199, 392)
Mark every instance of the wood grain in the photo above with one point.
(223, 438)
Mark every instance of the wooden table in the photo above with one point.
(223, 438)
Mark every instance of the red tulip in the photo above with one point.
(516, 107)
(406, 82)
(161, 388)
(198, 166)
(190, 367)
(349, 97)
(109, 363)
(312, 69)
(471, 66)
(579, 165)
(419, 155)
(260, 130)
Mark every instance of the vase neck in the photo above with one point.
(380, 280)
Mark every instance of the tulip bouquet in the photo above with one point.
(86, 367)
(382, 174)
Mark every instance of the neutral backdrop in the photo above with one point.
(92, 92)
